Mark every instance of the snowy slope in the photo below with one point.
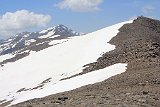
(40, 73)
(73, 83)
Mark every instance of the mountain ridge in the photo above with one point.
(135, 44)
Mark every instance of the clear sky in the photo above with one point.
(80, 15)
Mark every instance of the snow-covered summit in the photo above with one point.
(60, 30)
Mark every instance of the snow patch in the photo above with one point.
(28, 42)
(10, 40)
(51, 33)
(73, 83)
(7, 56)
(44, 31)
(55, 42)
(54, 36)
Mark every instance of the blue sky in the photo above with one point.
(80, 15)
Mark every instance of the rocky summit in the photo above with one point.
(136, 44)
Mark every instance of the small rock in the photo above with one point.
(156, 98)
(142, 84)
(128, 93)
(142, 100)
(62, 98)
(56, 102)
(105, 97)
(118, 99)
(145, 92)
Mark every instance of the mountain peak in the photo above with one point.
(61, 26)
(61, 30)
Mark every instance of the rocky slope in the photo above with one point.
(137, 44)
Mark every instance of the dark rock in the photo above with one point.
(145, 92)
(62, 98)
(56, 102)
(155, 98)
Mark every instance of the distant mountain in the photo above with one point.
(21, 40)
(61, 30)
(21, 44)
(118, 66)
